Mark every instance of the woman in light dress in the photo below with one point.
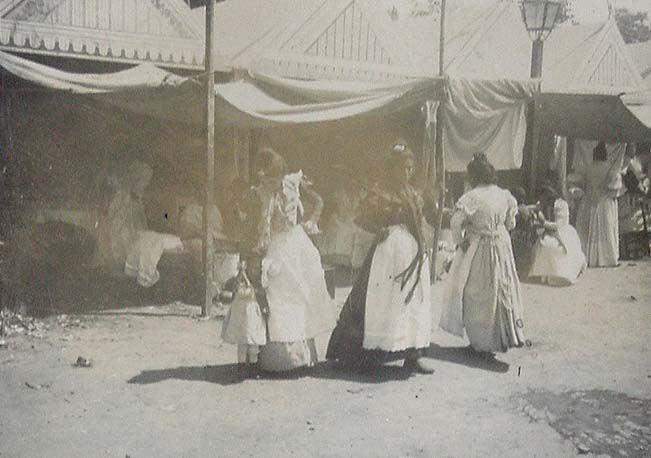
(291, 274)
(482, 294)
(557, 259)
(388, 314)
(597, 218)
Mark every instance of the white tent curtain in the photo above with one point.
(486, 116)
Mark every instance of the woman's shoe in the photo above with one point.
(418, 366)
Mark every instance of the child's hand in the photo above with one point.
(311, 227)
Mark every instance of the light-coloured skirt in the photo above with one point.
(392, 323)
(300, 307)
(598, 228)
(482, 295)
(287, 356)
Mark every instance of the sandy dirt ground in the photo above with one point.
(162, 383)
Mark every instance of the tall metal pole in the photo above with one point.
(536, 72)
(210, 156)
(536, 58)
(439, 159)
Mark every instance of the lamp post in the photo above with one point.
(539, 18)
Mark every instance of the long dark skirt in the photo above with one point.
(346, 342)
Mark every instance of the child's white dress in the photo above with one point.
(244, 323)
(558, 259)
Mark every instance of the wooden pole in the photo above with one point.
(208, 254)
(439, 159)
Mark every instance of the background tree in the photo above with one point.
(633, 25)
(566, 14)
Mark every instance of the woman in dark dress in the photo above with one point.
(388, 314)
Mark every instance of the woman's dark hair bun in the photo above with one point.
(481, 171)
(480, 157)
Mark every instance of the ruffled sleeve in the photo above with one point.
(511, 211)
(467, 204)
(465, 207)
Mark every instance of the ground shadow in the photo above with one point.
(134, 313)
(466, 357)
(226, 374)
(383, 373)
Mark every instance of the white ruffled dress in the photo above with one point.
(558, 258)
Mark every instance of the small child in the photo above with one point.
(245, 324)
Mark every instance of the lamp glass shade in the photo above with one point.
(539, 16)
(553, 8)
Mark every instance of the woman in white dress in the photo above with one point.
(482, 294)
(299, 305)
(388, 314)
(557, 259)
(597, 218)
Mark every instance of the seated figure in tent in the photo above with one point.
(190, 230)
(126, 246)
(123, 214)
(343, 242)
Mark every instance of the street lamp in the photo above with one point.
(539, 18)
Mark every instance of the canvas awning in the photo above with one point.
(607, 115)
(484, 116)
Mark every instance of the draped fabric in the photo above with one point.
(484, 116)
(142, 76)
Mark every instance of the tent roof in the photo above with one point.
(361, 36)
(163, 32)
(592, 55)
(247, 28)
(261, 34)
(641, 54)
(368, 40)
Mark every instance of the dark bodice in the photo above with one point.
(384, 207)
